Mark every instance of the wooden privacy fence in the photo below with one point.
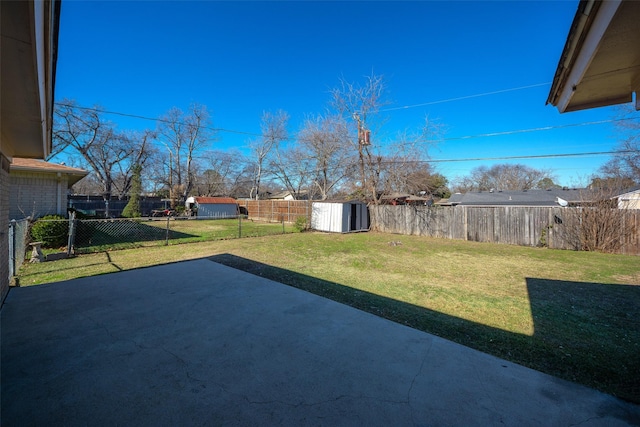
(553, 227)
(277, 210)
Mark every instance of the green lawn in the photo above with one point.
(575, 315)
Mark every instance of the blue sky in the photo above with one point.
(242, 58)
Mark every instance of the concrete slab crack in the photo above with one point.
(585, 421)
(487, 393)
(415, 377)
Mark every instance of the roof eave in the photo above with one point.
(29, 42)
(587, 30)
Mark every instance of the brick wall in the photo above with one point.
(36, 194)
(4, 227)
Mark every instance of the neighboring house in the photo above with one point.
(554, 197)
(289, 195)
(405, 199)
(630, 199)
(39, 188)
(339, 216)
(395, 198)
(212, 207)
(28, 53)
(600, 63)
(557, 197)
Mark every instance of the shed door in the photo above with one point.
(354, 215)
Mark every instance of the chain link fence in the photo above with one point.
(96, 235)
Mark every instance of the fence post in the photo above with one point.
(166, 242)
(72, 233)
(12, 248)
(239, 226)
(465, 218)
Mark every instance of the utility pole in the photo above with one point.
(356, 117)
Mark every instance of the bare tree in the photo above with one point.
(405, 156)
(274, 131)
(325, 142)
(220, 170)
(88, 185)
(183, 134)
(360, 103)
(378, 161)
(101, 148)
(125, 171)
(597, 224)
(624, 166)
(417, 178)
(503, 176)
(292, 167)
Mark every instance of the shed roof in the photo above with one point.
(215, 200)
(340, 201)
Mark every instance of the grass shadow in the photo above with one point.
(603, 321)
(98, 234)
(583, 332)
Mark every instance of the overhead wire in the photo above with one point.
(484, 135)
(538, 129)
(460, 98)
(157, 119)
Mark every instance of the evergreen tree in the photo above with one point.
(132, 210)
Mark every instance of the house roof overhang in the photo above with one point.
(600, 63)
(31, 165)
(28, 50)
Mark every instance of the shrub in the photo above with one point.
(301, 224)
(51, 230)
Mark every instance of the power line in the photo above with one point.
(460, 98)
(539, 129)
(135, 116)
(539, 156)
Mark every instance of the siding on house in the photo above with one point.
(629, 200)
(37, 194)
(39, 188)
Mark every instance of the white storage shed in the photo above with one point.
(340, 216)
(212, 207)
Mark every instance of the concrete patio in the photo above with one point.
(198, 343)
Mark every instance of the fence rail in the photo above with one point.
(552, 227)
